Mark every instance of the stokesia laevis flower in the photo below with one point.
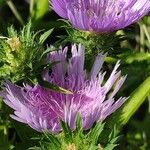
(101, 15)
(42, 108)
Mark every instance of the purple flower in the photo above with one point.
(42, 108)
(101, 15)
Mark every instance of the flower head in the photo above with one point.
(42, 108)
(101, 15)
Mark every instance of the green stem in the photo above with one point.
(149, 104)
(15, 11)
(146, 33)
(141, 38)
(31, 7)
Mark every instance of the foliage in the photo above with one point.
(19, 53)
(78, 139)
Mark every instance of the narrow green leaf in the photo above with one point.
(122, 116)
(131, 57)
(45, 35)
(48, 50)
(15, 11)
(53, 139)
(96, 131)
(93, 147)
(79, 126)
(110, 147)
(67, 132)
(40, 8)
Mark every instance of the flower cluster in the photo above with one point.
(101, 15)
(42, 108)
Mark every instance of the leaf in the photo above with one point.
(67, 132)
(45, 35)
(38, 8)
(48, 50)
(93, 147)
(122, 116)
(131, 57)
(96, 131)
(53, 139)
(112, 143)
(79, 124)
(110, 147)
